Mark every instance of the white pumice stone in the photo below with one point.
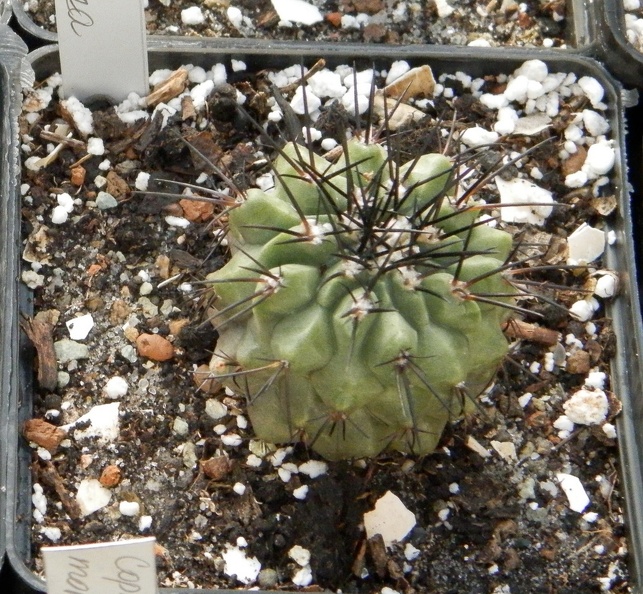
(305, 101)
(235, 16)
(595, 379)
(129, 508)
(237, 564)
(192, 16)
(587, 407)
(297, 11)
(59, 215)
(522, 192)
(116, 387)
(299, 555)
(600, 159)
(313, 468)
(592, 89)
(300, 492)
(142, 181)
(478, 136)
(583, 309)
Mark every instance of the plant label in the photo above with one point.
(103, 50)
(124, 567)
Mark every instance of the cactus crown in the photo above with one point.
(363, 304)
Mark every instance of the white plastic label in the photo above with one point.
(126, 567)
(102, 48)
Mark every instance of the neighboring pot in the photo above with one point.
(627, 380)
(580, 26)
(12, 51)
(622, 59)
(5, 12)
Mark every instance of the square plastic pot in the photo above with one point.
(580, 29)
(12, 52)
(627, 379)
(622, 59)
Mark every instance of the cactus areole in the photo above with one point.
(362, 307)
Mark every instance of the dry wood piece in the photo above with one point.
(526, 331)
(172, 87)
(44, 434)
(48, 475)
(64, 140)
(217, 467)
(40, 334)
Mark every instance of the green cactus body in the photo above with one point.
(361, 309)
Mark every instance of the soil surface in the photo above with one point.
(529, 23)
(489, 518)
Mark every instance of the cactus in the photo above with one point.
(362, 307)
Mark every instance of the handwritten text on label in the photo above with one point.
(77, 16)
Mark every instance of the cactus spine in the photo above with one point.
(362, 306)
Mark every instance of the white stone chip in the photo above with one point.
(237, 565)
(444, 8)
(474, 445)
(103, 424)
(144, 523)
(587, 407)
(532, 124)
(80, 327)
(215, 409)
(585, 245)
(142, 181)
(297, 11)
(505, 449)
(390, 518)
(92, 496)
(573, 488)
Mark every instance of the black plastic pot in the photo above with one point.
(580, 30)
(12, 52)
(627, 379)
(618, 54)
